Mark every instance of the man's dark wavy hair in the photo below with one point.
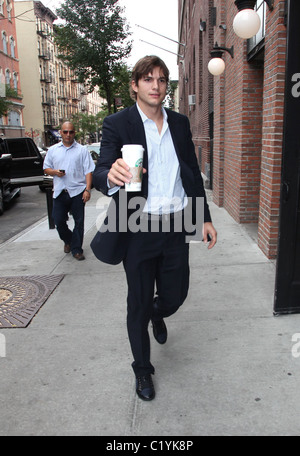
(145, 66)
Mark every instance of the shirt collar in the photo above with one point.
(144, 117)
(61, 144)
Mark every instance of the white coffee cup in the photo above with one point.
(133, 156)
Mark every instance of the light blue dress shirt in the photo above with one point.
(165, 190)
(76, 161)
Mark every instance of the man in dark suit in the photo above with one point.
(156, 260)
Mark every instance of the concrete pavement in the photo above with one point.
(227, 368)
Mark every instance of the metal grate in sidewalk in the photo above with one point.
(22, 297)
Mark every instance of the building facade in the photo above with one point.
(11, 125)
(52, 93)
(37, 69)
(242, 109)
(195, 91)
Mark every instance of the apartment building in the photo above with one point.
(237, 117)
(51, 91)
(11, 125)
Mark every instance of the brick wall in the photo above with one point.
(195, 79)
(240, 124)
(10, 61)
(247, 108)
(253, 122)
(273, 110)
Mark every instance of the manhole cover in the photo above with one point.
(4, 295)
(22, 297)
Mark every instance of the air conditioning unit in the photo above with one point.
(192, 100)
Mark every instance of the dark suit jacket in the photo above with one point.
(126, 127)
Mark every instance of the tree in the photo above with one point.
(120, 84)
(5, 102)
(170, 98)
(93, 42)
(85, 125)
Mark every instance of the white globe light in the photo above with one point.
(246, 23)
(216, 66)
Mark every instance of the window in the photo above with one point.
(7, 77)
(9, 8)
(1, 7)
(4, 42)
(2, 84)
(256, 43)
(17, 148)
(14, 119)
(15, 81)
(12, 47)
(200, 71)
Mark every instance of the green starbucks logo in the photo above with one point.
(139, 162)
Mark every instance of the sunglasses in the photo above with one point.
(65, 132)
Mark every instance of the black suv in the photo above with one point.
(21, 165)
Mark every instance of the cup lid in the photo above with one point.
(132, 146)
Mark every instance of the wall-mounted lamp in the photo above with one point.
(216, 65)
(247, 22)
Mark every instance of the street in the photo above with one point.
(229, 366)
(22, 212)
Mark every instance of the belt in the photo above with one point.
(161, 217)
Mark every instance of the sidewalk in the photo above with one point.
(227, 368)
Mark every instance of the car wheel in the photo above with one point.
(1, 201)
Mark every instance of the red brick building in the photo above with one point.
(11, 125)
(237, 118)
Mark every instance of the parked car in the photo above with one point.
(7, 191)
(21, 165)
(94, 150)
(43, 151)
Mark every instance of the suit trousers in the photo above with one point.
(62, 205)
(157, 272)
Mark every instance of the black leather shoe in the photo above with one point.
(144, 387)
(160, 331)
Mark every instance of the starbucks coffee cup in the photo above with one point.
(133, 156)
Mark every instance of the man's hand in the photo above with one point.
(86, 196)
(119, 173)
(54, 172)
(208, 229)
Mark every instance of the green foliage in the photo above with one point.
(170, 98)
(93, 41)
(5, 102)
(85, 125)
(120, 86)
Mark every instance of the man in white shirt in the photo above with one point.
(151, 258)
(71, 166)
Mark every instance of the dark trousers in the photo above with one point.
(153, 259)
(62, 205)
